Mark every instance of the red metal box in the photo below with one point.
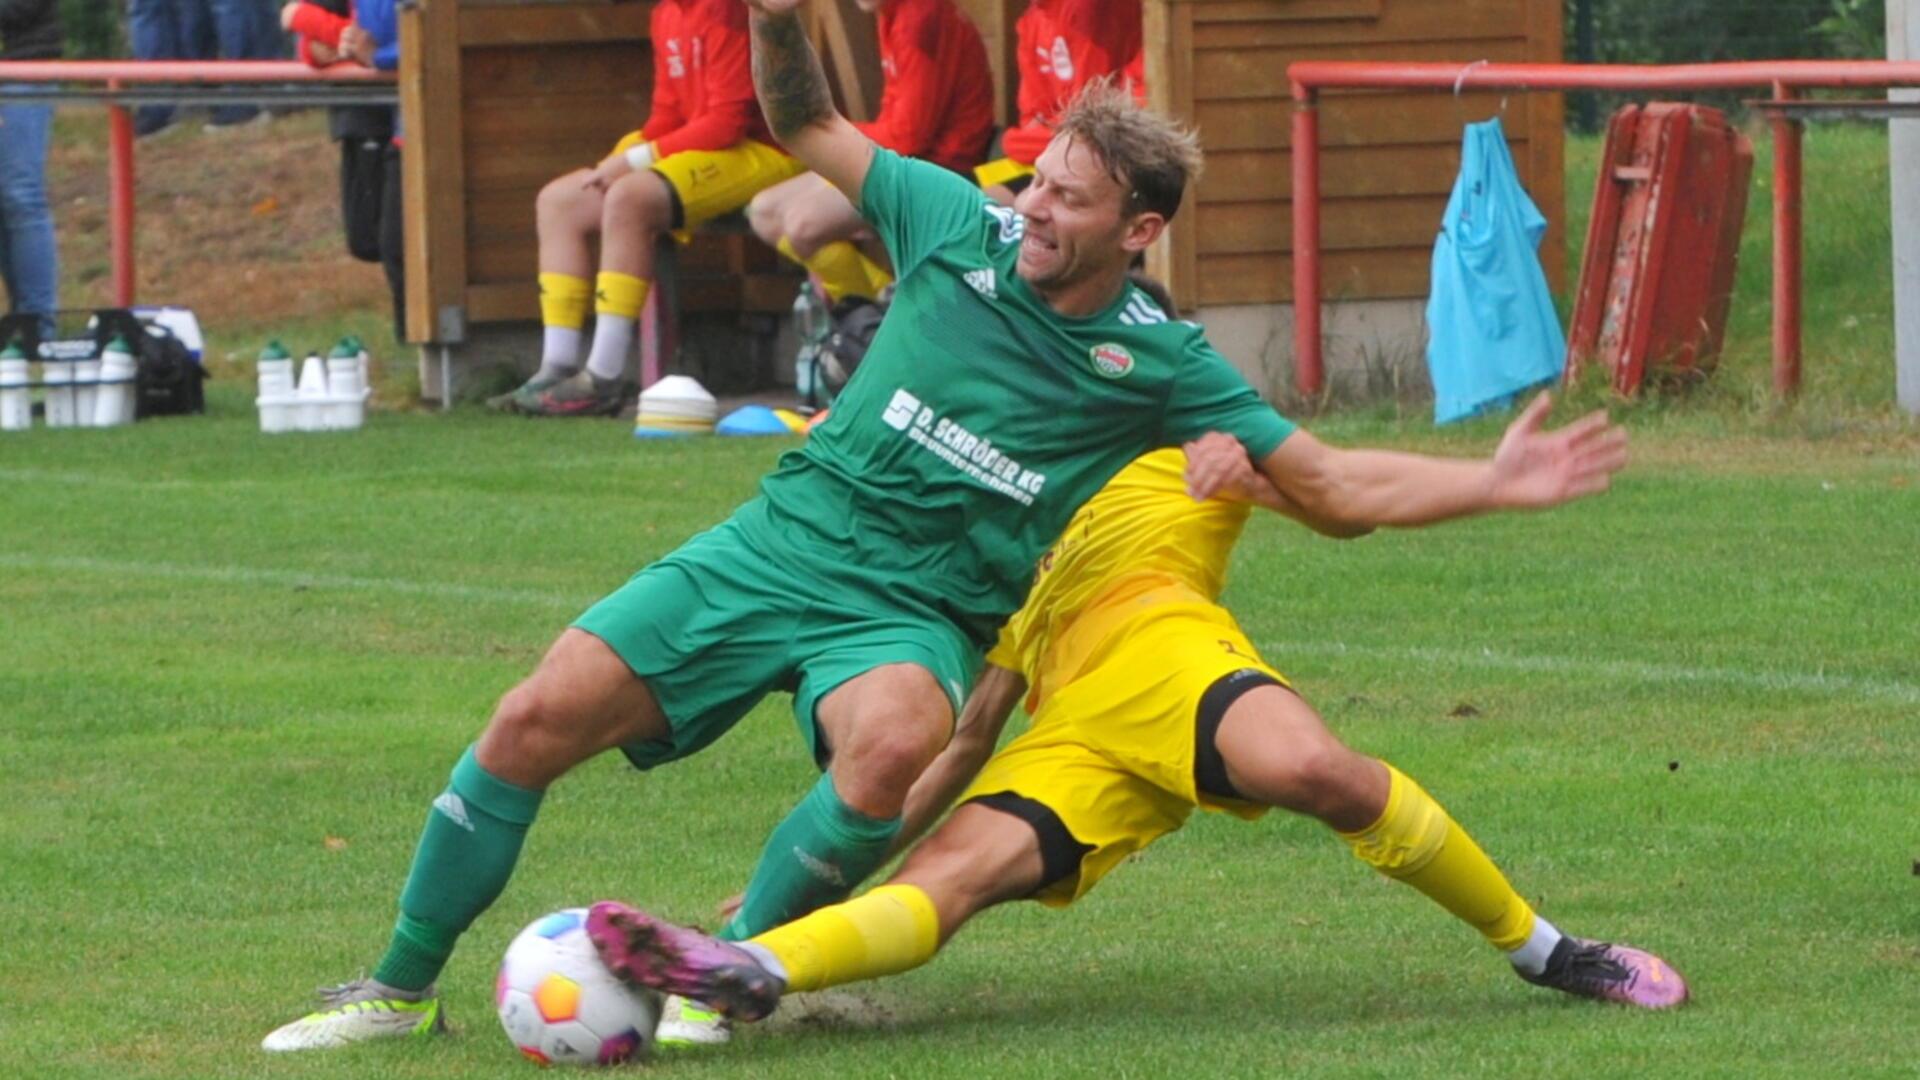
(1662, 244)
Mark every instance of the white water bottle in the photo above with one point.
(16, 410)
(276, 389)
(86, 380)
(346, 400)
(58, 378)
(113, 398)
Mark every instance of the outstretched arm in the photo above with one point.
(794, 96)
(1532, 469)
(974, 737)
(1219, 463)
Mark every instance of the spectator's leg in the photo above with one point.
(31, 261)
(393, 247)
(270, 42)
(639, 208)
(154, 29)
(568, 215)
(235, 39)
(818, 224)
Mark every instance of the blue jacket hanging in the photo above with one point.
(1493, 330)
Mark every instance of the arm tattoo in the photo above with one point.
(787, 75)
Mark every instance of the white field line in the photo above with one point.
(284, 579)
(1627, 671)
(1634, 671)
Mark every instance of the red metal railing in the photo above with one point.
(173, 80)
(1783, 78)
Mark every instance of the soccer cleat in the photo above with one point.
(523, 398)
(687, 1024)
(359, 1011)
(584, 394)
(646, 951)
(1619, 973)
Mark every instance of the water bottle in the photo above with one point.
(807, 326)
(346, 401)
(113, 398)
(16, 410)
(276, 389)
(58, 379)
(86, 383)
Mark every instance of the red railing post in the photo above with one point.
(120, 198)
(1308, 370)
(1786, 249)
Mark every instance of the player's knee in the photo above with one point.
(877, 767)
(807, 232)
(764, 218)
(1312, 777)
(636, 202)
(531, 740)
(559, 202)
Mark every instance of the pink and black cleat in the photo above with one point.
(1619, 973)
(645, 951)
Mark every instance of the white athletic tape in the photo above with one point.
(1815, 682)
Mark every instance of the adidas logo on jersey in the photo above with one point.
(982, 282)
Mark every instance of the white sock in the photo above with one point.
(559, 351)
(612, 340)
(1531, 957)
(767, 960)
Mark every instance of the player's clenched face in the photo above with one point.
(1077, 224)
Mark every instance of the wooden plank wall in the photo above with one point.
(995, 19)
(502, 96)
(1387, 159)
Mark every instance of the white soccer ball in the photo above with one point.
(560, 1004)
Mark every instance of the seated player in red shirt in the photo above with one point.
(1062, 46)
(703, 152)
(937, 105)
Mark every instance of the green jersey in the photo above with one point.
(980, 419)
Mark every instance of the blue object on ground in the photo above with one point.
(751, 420)
(1493, 328)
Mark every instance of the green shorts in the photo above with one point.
(730, 617)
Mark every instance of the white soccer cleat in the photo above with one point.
(360, 1011)
(685, 1024)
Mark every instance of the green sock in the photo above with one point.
(466, 855)
(814, 858)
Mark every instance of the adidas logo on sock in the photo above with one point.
(982, 282)
(454, 808)
(821, 869)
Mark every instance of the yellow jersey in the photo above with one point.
(1141, 542)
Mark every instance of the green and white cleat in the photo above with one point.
(360, 1011)
(689, 1025)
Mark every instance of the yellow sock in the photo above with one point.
(563, 300)
(892, 929)
(1416, 842)
(619, 294)
(844, 271)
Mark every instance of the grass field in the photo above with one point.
(235, 670)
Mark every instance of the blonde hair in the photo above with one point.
(1152, 156)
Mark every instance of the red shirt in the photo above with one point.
(315, 23)
(938, 100)
(702, 78)
(1064, 45)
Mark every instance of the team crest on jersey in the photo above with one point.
(1111, 361)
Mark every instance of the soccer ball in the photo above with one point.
(560, 1004)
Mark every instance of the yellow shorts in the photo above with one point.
(1111, 754)
(714, 183)
(999, 171)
